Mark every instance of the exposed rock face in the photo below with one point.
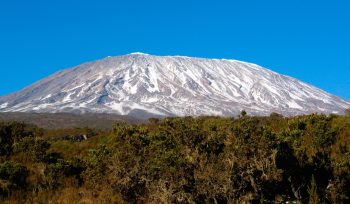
(145, 85)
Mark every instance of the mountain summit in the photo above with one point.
(144, 85)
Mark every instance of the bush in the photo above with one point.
(347, 112)
(6, 140)
(13, 175)
(13, 132)
(33, 148)
(57, 173)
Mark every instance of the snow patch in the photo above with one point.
(293, 104)
(125, 107)
(4, 105)
(117, 107)
(46, 97)
(41, 106)
(138, 53)
(67, 98)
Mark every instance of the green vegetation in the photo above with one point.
(273, 159)
(347, 112)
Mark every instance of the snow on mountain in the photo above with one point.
(145, 85)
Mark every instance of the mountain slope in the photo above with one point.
(143, 85)
(69, 120)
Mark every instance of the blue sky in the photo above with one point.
(308, 40)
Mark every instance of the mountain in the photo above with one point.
(143, 85)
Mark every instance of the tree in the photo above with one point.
(13, 132)
(14, 174)
(276, 115)
(243, 113)
(6, 140)
(347, 112)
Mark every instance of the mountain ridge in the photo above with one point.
(143, 84)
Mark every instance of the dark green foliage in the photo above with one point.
(57, 172)
(13, 132)
(243, 113)
(6, 140)
(273, 159)
(12, 176)
(323, 134)
(96, 167)
(33, 148)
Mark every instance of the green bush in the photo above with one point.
(33, 148)
(13, 132)
(13, 176)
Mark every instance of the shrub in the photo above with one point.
(14, 175)
(13, 132)
(33, 148)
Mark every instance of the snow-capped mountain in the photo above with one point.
(141, 84)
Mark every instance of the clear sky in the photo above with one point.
(305, 39)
